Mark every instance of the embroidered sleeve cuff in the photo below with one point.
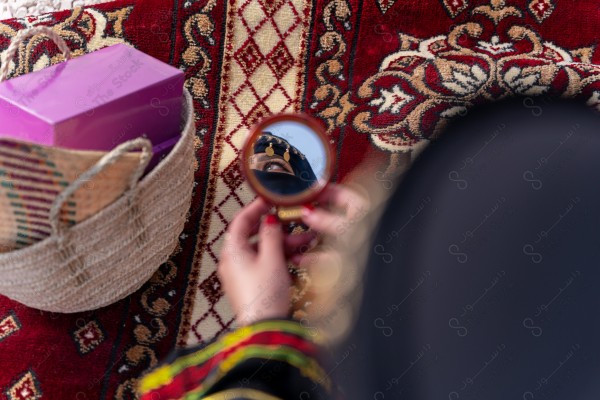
(250, 347)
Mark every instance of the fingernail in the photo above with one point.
(271, 219)
(307, 209)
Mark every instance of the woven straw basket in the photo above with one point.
(114, 252)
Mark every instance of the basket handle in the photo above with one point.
(111, 157)
(9, 54)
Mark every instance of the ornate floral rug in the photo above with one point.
(385, 76)
(26, 8)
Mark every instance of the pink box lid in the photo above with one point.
(94, 101)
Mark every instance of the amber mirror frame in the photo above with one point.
(305, 197)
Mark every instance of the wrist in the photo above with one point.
(247, 319)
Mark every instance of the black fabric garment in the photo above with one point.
(483, 279)
(282, 183)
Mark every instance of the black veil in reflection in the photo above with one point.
(272, 147)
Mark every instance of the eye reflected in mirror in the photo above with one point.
(287, 159)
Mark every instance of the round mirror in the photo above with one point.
(287, 159)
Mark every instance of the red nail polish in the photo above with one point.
(271, 219)
(308, 207)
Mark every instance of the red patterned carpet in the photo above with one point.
(384, 75)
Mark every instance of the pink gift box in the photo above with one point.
(95, 101)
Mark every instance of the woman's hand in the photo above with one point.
(341, 208)
(255, 277)
(344, 217)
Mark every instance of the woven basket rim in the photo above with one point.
(119, 202)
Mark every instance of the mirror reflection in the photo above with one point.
(288, 158)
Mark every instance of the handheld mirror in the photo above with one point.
(288, 161)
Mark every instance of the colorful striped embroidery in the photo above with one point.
(285, 341)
